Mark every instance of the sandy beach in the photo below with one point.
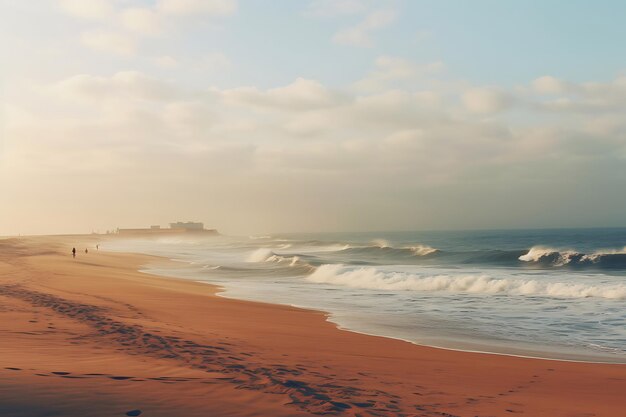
(91, 336)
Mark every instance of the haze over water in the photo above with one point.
(543, 293)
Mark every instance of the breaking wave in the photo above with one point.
(418, 250)
(381, 243)
(374, 279)
(423, 250)
(382, 252)
(267, 255)
(558, 257)
(260, 255)
(382, 249)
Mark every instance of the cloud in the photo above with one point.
(120, 86)
(166, 61)
(392, 146)
(332, 8)
(607, 125)
(486, 100)
(401, 133)
(124, 26)
(302, 94)
(195, 7)
(111, 42)
(88, 9)
(392, 69)
(191, 118)
(142, 20)
(550, 85)
(360, 34)
(557, 95)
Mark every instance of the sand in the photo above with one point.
(91, 336)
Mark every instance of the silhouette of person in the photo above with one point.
(73, 252)
(97, 247)
(86, 251)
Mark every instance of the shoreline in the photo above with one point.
(338, 325)
(83, 323)
(467, 346)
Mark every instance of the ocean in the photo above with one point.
(558, 293)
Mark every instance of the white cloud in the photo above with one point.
(190, 117)
(360, 35)
(111, 42)
(88, 9)
(120, 86)
(302, 94)
(331, 8)
(550, 85)
(391, 69)
(486, 100)
(607, 125)
(141, 20)
(587, 97)
(410, 139)
(120, 20)
(166, 61)
(331, 142)
(195, 7)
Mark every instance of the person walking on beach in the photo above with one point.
(73, 252)
(86, 250)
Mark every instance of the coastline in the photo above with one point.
(170, 346)
(466, 347)
(492, 347)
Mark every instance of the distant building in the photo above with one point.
(177, 227)
(133, 231)
(187, 225)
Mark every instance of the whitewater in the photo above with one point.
(557, 294)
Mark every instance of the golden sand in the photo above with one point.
(91, 336)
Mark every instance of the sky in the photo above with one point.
(311, 115)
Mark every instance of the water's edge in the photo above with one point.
(457, 346)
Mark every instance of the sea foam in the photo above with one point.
(374, 279)
(267, 255)
(565, 257)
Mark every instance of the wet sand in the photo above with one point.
(91, 336)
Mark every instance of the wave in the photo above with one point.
(559, 257)
(335, 248)
(211, 267)
(381, 249)
(381, 243)
(260, 255)
(375, 279)
(382, 252)
(540, 254)
(418, 250)
(267, 255)
(423, 250)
